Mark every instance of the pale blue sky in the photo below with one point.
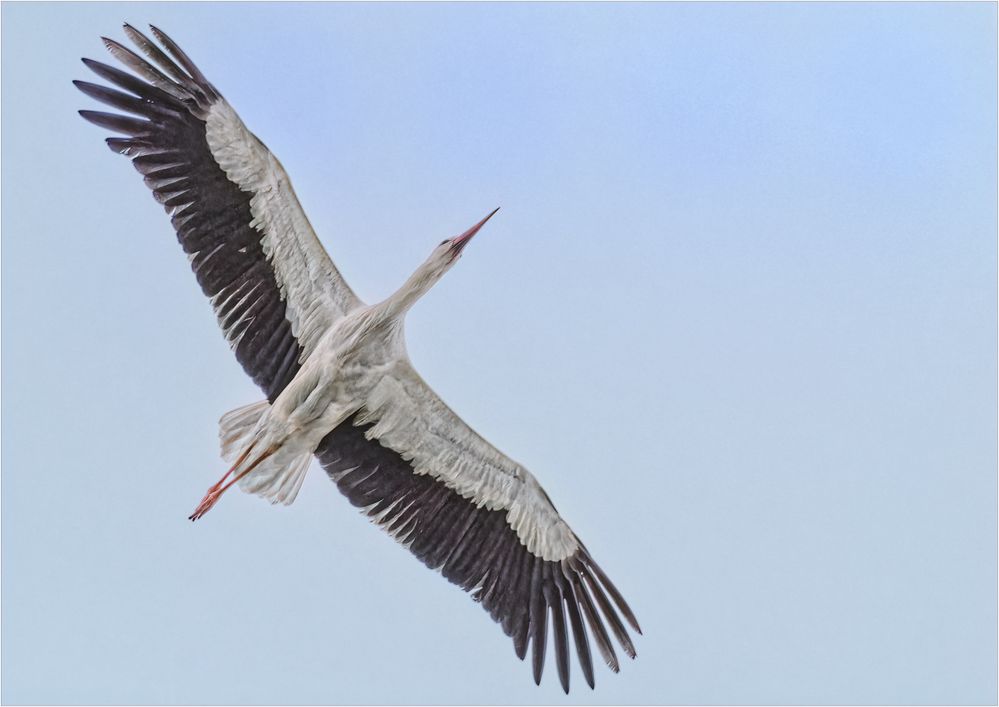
(738, 314)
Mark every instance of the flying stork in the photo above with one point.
(338, 382)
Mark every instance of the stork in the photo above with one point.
(337, 380)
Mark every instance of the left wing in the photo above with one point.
(484, 521)
(272, 285)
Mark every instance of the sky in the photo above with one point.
(737, 314)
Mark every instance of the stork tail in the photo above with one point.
(275, 474)
(276, 478)
(237, 428)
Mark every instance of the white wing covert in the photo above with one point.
(412, 420)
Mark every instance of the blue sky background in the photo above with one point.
(738, 314)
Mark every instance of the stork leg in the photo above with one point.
(242, 458)
(215, 492)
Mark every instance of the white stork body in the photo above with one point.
(338, 381)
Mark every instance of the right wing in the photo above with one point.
(272, 285)
(481, 519)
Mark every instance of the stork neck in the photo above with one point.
(418, 284)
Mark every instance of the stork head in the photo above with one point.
(449, 250)
(446, 254)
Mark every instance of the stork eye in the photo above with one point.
(443, 242)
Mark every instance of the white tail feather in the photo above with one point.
(237, 427)
(277, 478)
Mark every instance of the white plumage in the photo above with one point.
(338, 382)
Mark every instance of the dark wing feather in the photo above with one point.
(477, 549)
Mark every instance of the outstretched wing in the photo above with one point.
(463, 508)
(273, 287)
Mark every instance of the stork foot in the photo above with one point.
(216, 491)
(210, 499)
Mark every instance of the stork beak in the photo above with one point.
(461, 241)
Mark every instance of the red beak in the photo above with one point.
(461, 241)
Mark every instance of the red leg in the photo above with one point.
(216, 491)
